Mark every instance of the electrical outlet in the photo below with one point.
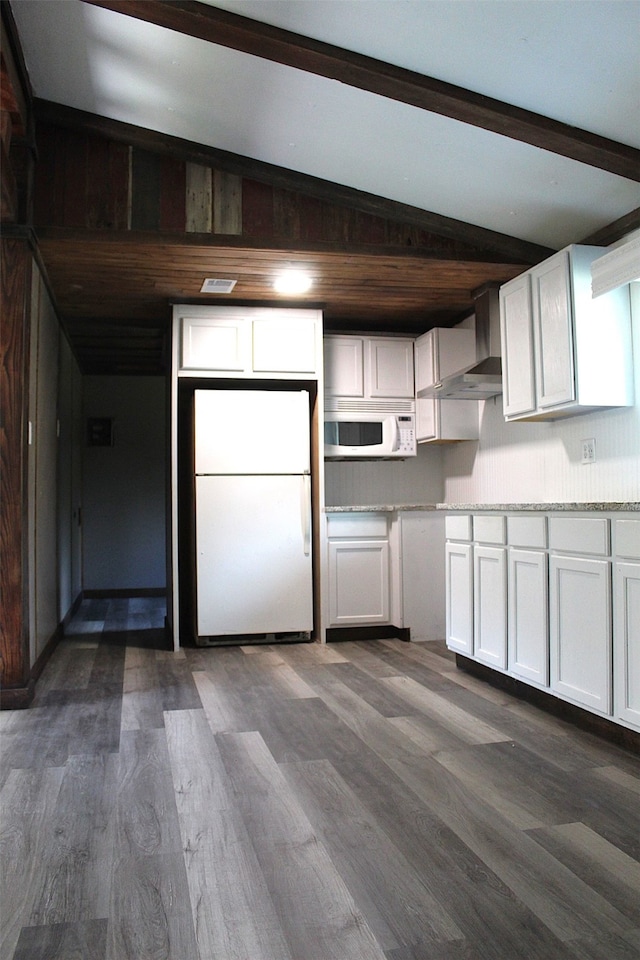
(589, 450)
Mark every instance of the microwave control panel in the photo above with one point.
(406, 435)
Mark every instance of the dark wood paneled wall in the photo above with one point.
(16, 264)
(86, 181)
(14, 379)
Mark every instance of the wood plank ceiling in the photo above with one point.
(130, 221)
(114, 294)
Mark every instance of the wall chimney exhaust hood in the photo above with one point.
(484, 378)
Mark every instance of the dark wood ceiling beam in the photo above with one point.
(384, 79)
(614, 231)
(487, 242)
(254, 247)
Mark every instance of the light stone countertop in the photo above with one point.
(583, 507)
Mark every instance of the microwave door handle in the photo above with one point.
(305, 508)
(395, 434)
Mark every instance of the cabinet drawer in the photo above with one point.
(580, 535)
(358, 525)
(457, 527)
(527, 531)
(627, 534)
(489, 529)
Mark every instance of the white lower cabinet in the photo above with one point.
(580, 630)
(490, 590)
(459, 585)
(626, 622)
(528, 602)
(490, 605)
(359, 585)
(359, 569)
(627, 633)
(528, 629)
(580, 611)
(554, 602)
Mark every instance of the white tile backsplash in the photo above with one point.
(416, 480)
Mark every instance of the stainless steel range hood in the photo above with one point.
(484, 378)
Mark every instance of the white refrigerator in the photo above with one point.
(253, 513)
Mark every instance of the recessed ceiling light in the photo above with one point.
(213, 285)
(292, 282)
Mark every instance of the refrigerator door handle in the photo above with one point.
(306, 513)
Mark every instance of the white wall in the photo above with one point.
(124, 486)
(541, 462)
(379, 482)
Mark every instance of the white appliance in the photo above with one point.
(253, 513)
(369, 433)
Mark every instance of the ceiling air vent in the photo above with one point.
(212, 285)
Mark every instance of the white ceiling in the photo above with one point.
(573, 60)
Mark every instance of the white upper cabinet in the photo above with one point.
(390, 367)
(285, 343)
(563, 351)
(214, 343)
(376, 368)
(516, 339)
(439, 353)
(553, 332)
(254, 343)
(344, 366)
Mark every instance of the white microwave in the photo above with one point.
(369, 434)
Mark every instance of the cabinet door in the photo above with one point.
(446, 420)
(580, 630)
(344, 366)
(284, 345)
(441, 352)
(627, 642)
(427, 420)
(490, 605)
(528, 622)
(553, 331)
(390, 367)
(459, 597)
(425, 360)
(358, 582)
(516, 331)
(215, 344)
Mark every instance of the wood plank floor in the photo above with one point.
(359, 801)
